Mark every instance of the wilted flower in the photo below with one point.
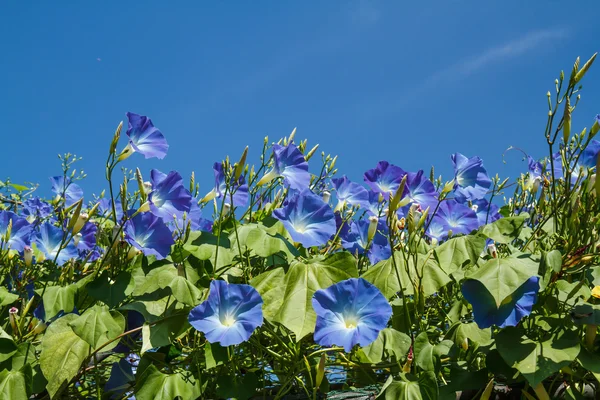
(350, 312)
(20, 231)
(512, 309)
(63, 187)
(229, 315)
(144, 138)
(288, 162)
(148, 233)
(49, 239)
(385, 178)
(308, 219)
(168, 197)
(470, 177)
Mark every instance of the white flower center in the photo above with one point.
(351, 322)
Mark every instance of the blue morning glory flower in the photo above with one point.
(356, 238)
(308, 219)
(350, 312)
(105, 208)
(349, 192)
(144, 138)
(86, 238)
(590, 154)
(229, 315)
(36, 209)
(471, 179)
(64, 187)
(512, 309)
(168, 197)
(452, 216)
(288, 162)
(535, 167)
(240, 188)
(385, 178)
(420, 190)
(20, 231)
(194, 217)
(373, 206)
(486, 212)
(148, 233)
(48, 239)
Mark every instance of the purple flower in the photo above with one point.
(590, 154)
(350, 312)
(86, 238)
(36, 209)
(194, 217)
(20, 231)
(373, 206)
(471, 179)
(168, 197)
(229, 315)
(105, 208)
(349, 192)
(356, 240)
(512, 309)
(486, 212)
(288, 162)
(239, 188)
(308, 219)
(144, 138)
(385, 178)
(452, 216)
(420, 190)
(535, 167)
(148, 233)
(49, 239)
(65, 188)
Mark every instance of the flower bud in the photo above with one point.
(115, 141)
(76, 239)
(12, 315)
(373, 220)
(326, 196)
(39, 328)
(465, 344)
(311, 152)
(125, 153)
(226, 208)
(492, 250)
(27, 255)
(132, 252)
(81, 221)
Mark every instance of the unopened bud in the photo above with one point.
(373, 220)
(311, 152)
(125, 153)
(76, 239)
(548, 94)
(12, 315)
(556, 81)
(465, 344)
(82, 219)
(492, 250)
(291, 138)
(115, 141)
(27, 255)
(326, 196)
(39, 328)
(226, 208)
(132, 252)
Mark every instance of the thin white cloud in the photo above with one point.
(504, 52)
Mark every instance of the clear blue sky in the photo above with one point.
(408, 82)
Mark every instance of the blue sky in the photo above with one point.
(407, 82)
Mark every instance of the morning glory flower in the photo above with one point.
(452, 216)
(373, 206)
(350, 312)
(240, 188)
(288, 162)
(168, 197)
(194, 217)
(86, 238)
(420, 190)
(349, 192)
(36, 209)
(471, 179)
(385, 178)
(64, 187)
(229, 315)
(512, 309)
(48, 239)
(144, 138)
(590, 154)
(20, 231)
(535, 167)
(148, 233)
(308, 219)
(105, 208)
(356, 238)
(486, 212)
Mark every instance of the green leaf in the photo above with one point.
(110, 292)
(502, 276)
(215, 355)
(571, 293)
(265, 242)
(504, 230)
(8, 347)
(154, 385)
(551, 262)
(232, 387)
(158, 277)
(16, 384)
(98, 325)
(537, 360)
(203, 246)
(433, 277)
(410, 387)
(390, 343)
(461, 331)
(163, 333)
(427, 356)
(63, 352)
(302, 281)
(590, 362)
(459, 252)
(7, 298)
(59, 298)
(152, 310)
(184, 291)
(19, 188)
(270, 286)
(25, 353)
